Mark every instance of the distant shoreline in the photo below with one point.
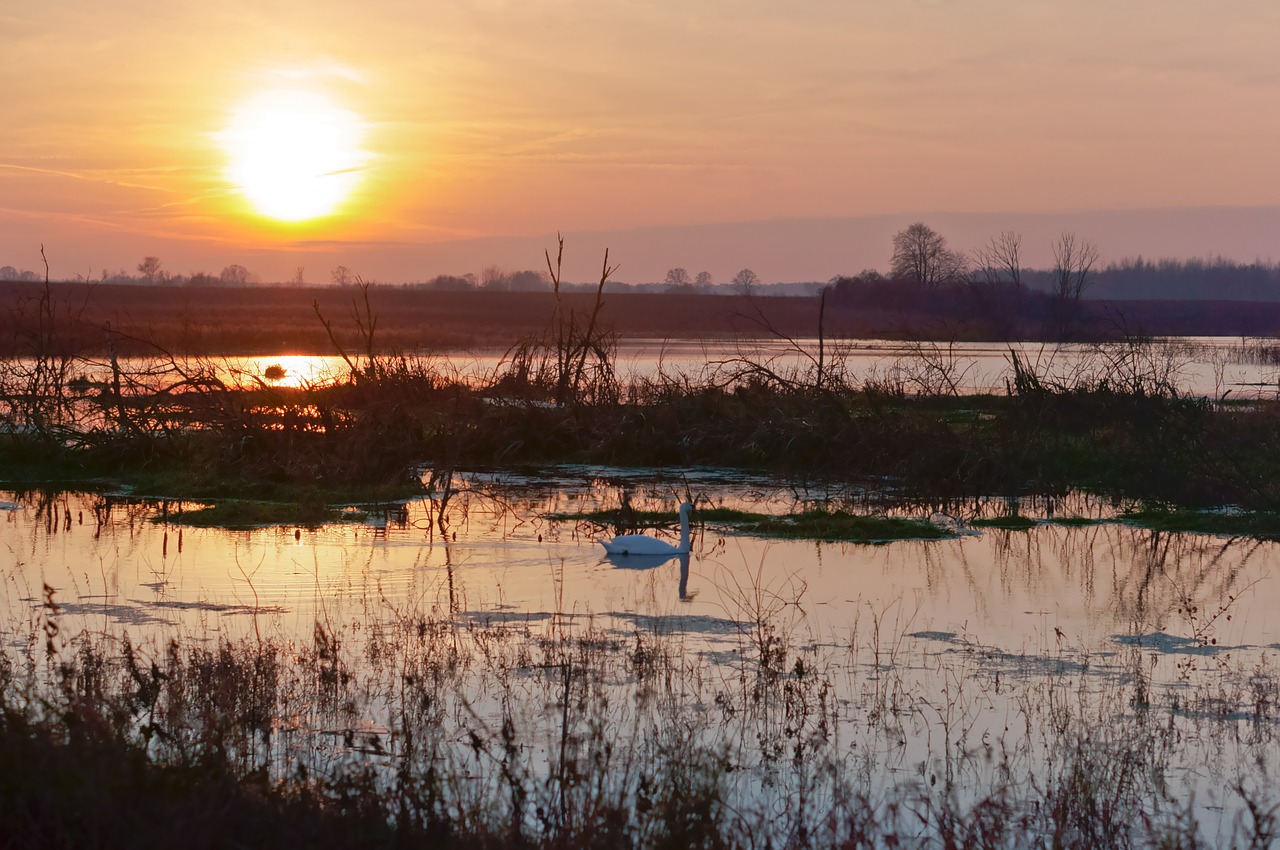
(280, 320)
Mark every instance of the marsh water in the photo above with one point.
(1210, 367)
(952, 636)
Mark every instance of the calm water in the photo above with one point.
(1203, 366)
(115, 560)
(965, 612)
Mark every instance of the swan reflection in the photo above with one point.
(648, 562)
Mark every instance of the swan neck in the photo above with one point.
(684, 531)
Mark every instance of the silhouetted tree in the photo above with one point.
(234, 275)
(920, 254)
(343, 276)
(149, 268)
(703, 279)
(451, 283)
(298, 279)
(528, 281)
(1000, 260)
(494, 278)
(1073, 262)
(678, 278)
(746, 281)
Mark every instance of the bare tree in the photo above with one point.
(920, 254)
(234, 275)
(678, 278)
(528, 280)
(495, 278)
(746, 281)
(1073, 262)
(298, 278)
(343, 276)
(702, 280)
(149, 268)
(1000, 260)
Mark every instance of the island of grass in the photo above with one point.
(243, 514)
(817, 524)
(1262, 525)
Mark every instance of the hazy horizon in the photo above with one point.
(779, 251)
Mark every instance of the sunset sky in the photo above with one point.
(143, 127)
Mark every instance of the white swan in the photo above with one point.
(643, 544)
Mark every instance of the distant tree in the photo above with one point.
(702, 280)
(1073, 262)
(149, 268)
(495, 278)
(746, 281)
(202, 279)
(920, 254)
(528, 281)
(343, 276)
(298, 278)
(450, 283)
(234, 275)
(470, 277)
(1000, 259)
(678, 279)
(8, 273)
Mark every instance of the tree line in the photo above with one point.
(921, 258)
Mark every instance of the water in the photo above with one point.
(948, 639)
(1202, 366)
(1010, 589)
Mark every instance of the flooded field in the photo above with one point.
(986, 658)
(1201, 366)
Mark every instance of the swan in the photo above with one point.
(643, 544)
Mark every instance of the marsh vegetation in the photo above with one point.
(1112, 420)
(433, 691)
(745, 714)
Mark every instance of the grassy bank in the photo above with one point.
(367, 439)
(193, 427)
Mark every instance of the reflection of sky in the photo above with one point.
(1201, 366)
(1051, 588)
(965, 627)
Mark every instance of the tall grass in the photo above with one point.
(1115, 425)
(433, 729)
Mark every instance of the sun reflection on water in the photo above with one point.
(292, 370)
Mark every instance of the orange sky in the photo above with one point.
(521, 118)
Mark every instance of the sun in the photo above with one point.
(294, 153)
